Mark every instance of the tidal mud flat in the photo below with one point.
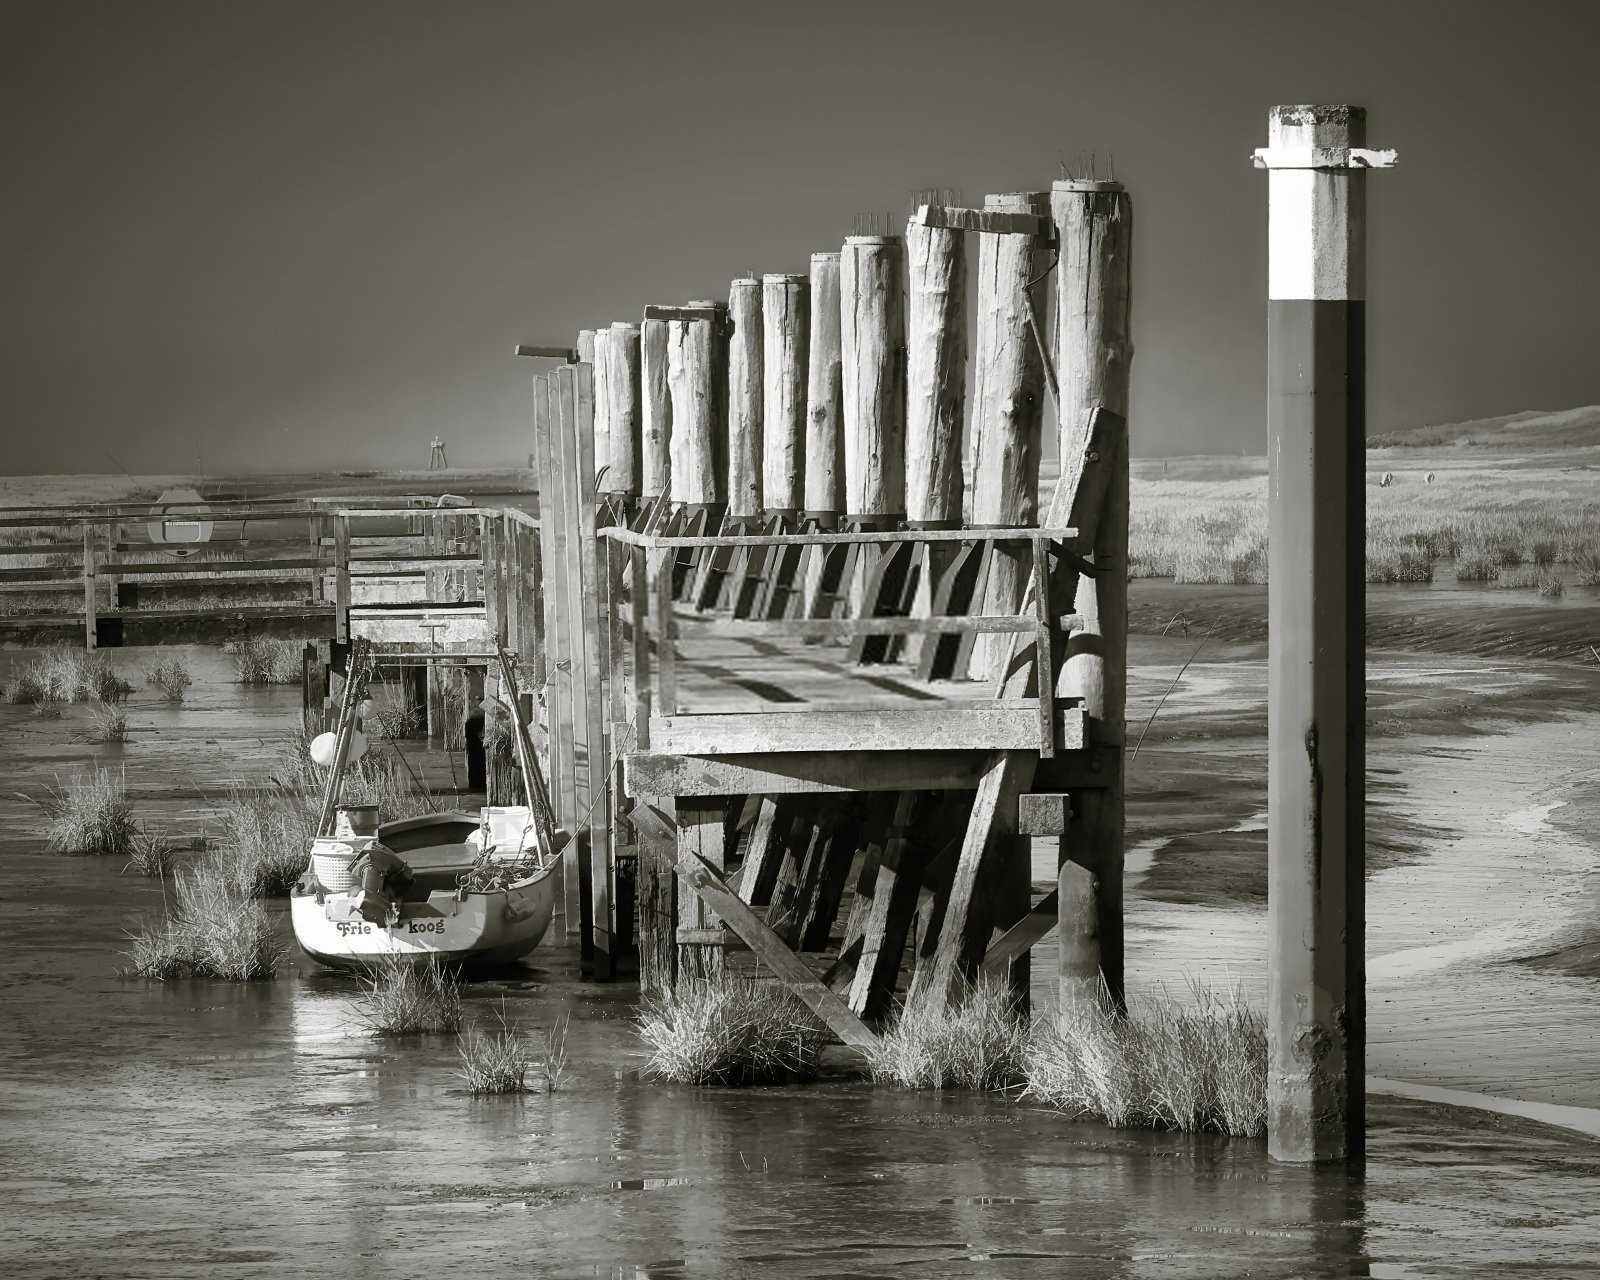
(162, 1130)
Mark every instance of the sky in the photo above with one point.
(304, 236)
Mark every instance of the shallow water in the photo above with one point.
(201, 1128)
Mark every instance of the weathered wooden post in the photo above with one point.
(728, 571)
(1007, 415)
(1316, 688)
(786, 313)
(872, 323)
(696, 452)
(824, 453)
(936, 396)
(601, 359)
(1094, 223)
(655, 422)
(621, 481)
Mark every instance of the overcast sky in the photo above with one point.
(306, 235)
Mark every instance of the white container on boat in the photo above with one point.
(332, 858)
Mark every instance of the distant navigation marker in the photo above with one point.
(436, 460)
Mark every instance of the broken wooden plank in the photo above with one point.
(702, 877)
(655, 772)
(990, 221)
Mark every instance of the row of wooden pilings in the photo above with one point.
(837, 399)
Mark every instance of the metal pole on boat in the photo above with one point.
(1316, 729)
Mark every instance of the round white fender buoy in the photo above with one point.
(365, 708)
(324, 745)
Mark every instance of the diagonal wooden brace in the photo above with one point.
(700, 876)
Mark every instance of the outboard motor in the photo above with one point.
(379, 879)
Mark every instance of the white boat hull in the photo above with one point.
(450, 926)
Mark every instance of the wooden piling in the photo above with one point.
(872, 318)
(1094, 224)
(823, 491)
(786, 315)
(1007, 414)
(936, 375)
(602, 406)
(824, 448)
(936, 395)
(655, 412)
(695, 469)
(1316, 750)
(744, 399)
(623, 413)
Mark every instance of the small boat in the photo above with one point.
(451, 888)
(458, 889)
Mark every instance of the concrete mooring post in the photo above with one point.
(1316, 731)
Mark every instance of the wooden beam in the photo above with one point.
(966, 924)
(893, 905)
(991, 221)
(704, 879)
(656, 772)
(715, 313)
(889, 729)
(1044, 813)
(1016, 941)
(701, 842)
(569, 354)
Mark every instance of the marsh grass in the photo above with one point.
(1166, 1065)
(403, 999)
(393, 713)
(263, 842)
(265, 660)
(90, 813)
(152, 854)
(211, 930)
(64, 674)
(48, 709)
(498, 1061)
(1205, 520)
(976, 1042)
(171, 676)
(108, 722)
(729, 1031)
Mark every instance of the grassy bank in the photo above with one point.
(1205, 519)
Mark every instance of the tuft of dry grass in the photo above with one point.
(171, 676)
(495, 1062)
(393, 713)
(1165, 1065)
(976, 1042)
(729, 1031)
(90, 814)
(405, 999)
(211, 931)
(48, 709)
(264, 842)
(152, 854)
(64, 674)
(265, 660)
(108, 722)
